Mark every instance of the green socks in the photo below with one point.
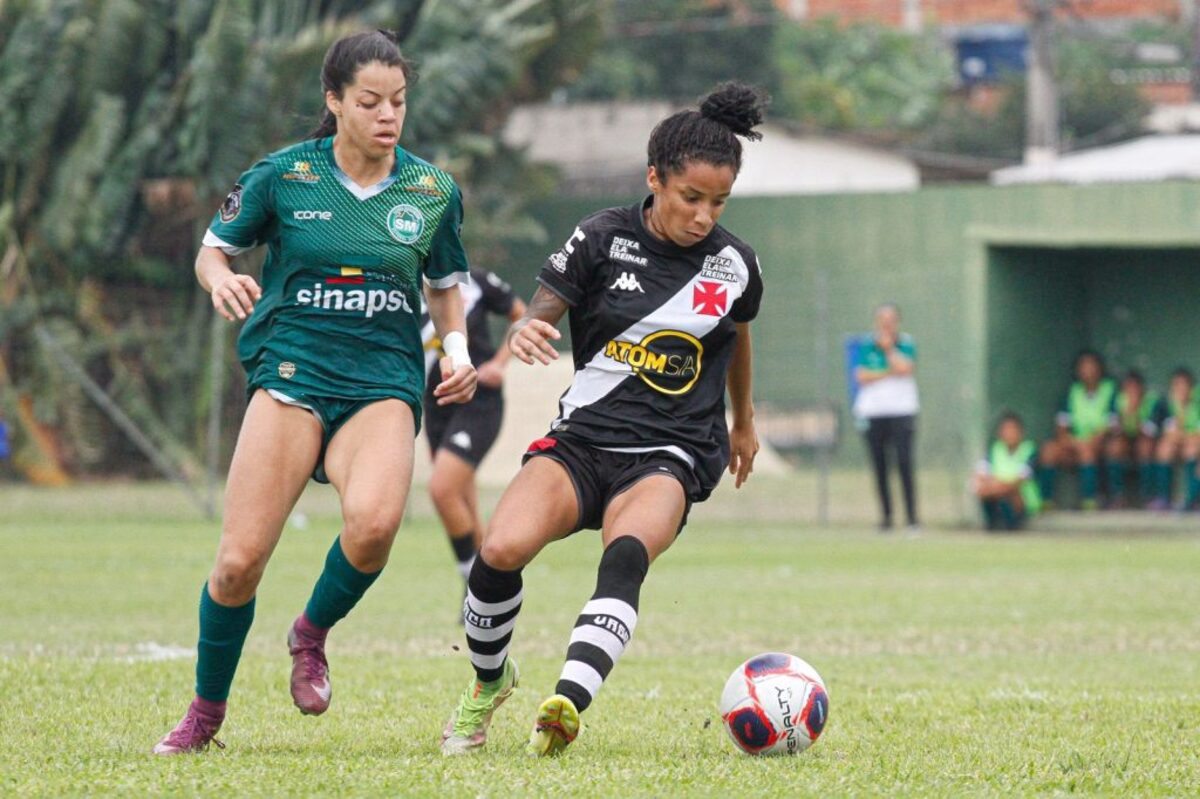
(1193, 484)
(338, 589)
(1146, 480)
(222, 633)
(1116, 478)
(1088, 480)
(1046, 477)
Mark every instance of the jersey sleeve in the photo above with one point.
(569, 270)
(247, 216)
(446, 264)
(745, 308)
(498, 296)
(907, 346)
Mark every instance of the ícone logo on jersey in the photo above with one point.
(667, 360)
(709, 298)
(627, 282)
(406, 223)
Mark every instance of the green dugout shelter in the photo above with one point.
(999, 286)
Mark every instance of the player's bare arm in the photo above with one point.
(458, 375)
(743, 439)
(233, 295)
(529, 337)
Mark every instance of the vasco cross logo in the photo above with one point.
(406, 223)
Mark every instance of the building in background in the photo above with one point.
(600, 150)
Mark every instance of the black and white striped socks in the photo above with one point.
(489, 614)
(607, 622)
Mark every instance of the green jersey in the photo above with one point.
(1019, 464)
(1143, 419)
(1088, 413)
(340, 310)
(1183, 417)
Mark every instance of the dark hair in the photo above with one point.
(1183, 371)
(709, 134)
(1135, 376)
(350, 54)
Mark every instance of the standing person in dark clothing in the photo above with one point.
(887, 402)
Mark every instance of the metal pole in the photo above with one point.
(1041, 90)
(821, 343)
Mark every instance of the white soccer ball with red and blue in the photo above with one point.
(774, 704)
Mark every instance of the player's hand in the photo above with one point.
(235, 296)
(743, 446)
(885, 341)
(458, 385)
(531, 341)
(491, 374)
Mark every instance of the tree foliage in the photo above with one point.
(123, 123)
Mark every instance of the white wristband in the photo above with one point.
(455, 347)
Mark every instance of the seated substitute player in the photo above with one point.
(461, 435)
(1082, 425)
(1005, 482)
(1135, 428)
(1180, 442)
(660, 299)
(333, 357)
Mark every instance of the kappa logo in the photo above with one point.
(709, 299)
(462, 440)
(323, 216)
(627, 282)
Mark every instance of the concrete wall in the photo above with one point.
(988, 279)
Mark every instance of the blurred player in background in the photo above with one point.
(660, 300)
(333, 357)
(1135, 429)
(1180, 442)
(461, 435)
(1082, 426)
(887, 401)
(1005, 482)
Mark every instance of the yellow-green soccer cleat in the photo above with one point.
(467, 728)
(556, 726)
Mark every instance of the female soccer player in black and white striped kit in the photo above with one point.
(660, 300)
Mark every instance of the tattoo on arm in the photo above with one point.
(546, 305)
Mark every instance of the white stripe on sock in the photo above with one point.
(481, 608)
(490, 633)
(488, 661)
(607, 606)
(582, 674)
(600, 638)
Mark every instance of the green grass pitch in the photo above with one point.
(957, 664)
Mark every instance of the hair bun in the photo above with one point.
(391, 35)
(737, 106)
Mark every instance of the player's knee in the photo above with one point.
(503, 553)
(236, 575)
(371, 529)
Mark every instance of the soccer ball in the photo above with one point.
(774, 704)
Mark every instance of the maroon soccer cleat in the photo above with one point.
(311, 689)
(195, 731)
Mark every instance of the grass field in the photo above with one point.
(957, 664)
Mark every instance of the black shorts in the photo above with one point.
(600, 475)
(469, 430)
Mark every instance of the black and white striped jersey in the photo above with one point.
(652, 333)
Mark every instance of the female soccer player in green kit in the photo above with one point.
(332, 351)
(660, 298)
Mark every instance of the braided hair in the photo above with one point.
(350, 54)
(710, 134)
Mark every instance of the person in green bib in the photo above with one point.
(1180, 442)
(1134, 433)
(1005, 481)
(1082, 426)
(353, 226)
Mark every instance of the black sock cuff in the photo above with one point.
(464, 547)
(623, 569)
(489, 584)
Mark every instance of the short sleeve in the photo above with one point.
(908, 347)
(569, 270)
(498, 296)
(247, 216)
(446, 264)
(745, 308)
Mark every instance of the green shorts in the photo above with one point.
(332, 413)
